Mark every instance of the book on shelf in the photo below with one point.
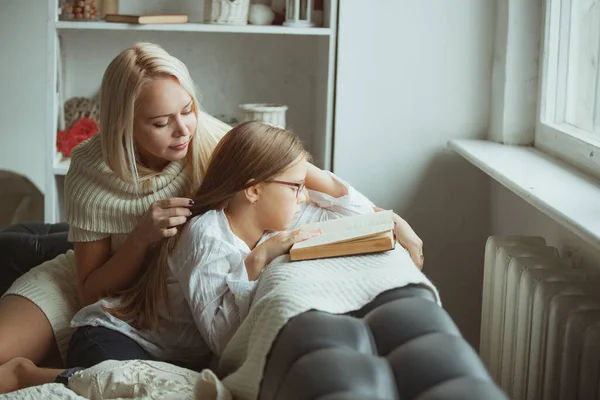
(360, 234)
(148, 18)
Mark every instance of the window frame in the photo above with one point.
(562, 140)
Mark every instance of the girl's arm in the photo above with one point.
(218, 294)
(321, 181)
(214, 281)
(408, 239)
(330, 198)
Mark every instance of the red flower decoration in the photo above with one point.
(81, 130)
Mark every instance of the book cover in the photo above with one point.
(148, 18)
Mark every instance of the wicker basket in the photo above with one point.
(271, 113)
(226, 12)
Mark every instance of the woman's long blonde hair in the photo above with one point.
(121, 86)
(250, 153)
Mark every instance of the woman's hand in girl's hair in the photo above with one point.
(274, 247)
(162, 219)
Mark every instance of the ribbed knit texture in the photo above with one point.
(99, 202)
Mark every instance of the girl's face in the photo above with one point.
(164, 123)
(280, 197)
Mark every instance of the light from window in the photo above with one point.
(579, 55)
(569, 121)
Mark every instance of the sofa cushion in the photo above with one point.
(24, 246)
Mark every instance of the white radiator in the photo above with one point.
(540, 325)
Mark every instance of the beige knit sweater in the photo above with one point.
(100, 204)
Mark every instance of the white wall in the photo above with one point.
(411, 76)
(22, 88)
(511, 215)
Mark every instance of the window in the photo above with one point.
(569, 123)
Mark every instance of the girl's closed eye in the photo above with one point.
(187, 112)
(162, 125)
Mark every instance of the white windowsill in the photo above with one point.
(563, 193)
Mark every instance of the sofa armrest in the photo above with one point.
(37, 228)
(400, 346)
(27, 245)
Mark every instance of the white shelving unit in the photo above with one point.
(193, 27)
(230, 64)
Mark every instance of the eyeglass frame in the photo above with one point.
(299, 186)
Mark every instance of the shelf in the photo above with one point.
(192, 27)
(61, 165)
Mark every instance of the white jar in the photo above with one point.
(267, 112)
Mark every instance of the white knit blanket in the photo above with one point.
(286, 289)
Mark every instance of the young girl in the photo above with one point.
(247, 212)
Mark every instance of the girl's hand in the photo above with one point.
(281, 243)
(162, 219)
(408, 239)
(274, 247)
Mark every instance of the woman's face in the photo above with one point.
(281, 195)
(164, 123)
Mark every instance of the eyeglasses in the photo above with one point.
(299, 186)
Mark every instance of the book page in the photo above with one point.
(343, 229)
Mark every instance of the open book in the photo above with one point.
(360, 234)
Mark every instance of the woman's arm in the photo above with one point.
(99, 273)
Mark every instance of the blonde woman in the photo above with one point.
(128, 187)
